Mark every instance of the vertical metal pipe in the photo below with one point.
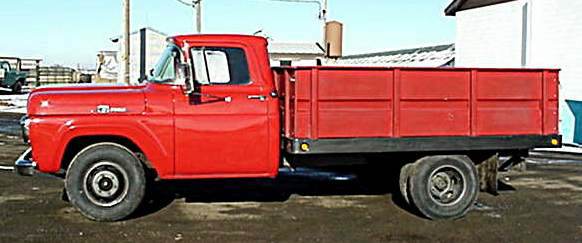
(142, 54)
(37, 83)
(324, 19)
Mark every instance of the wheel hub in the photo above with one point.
(106, 184)
(446, 185)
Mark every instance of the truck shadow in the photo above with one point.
(367, 181)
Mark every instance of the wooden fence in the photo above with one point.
(56, 75)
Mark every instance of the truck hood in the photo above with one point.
(86, 100)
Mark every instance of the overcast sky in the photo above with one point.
(70, 32)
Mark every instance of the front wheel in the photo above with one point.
(105, 182)
(443, 187)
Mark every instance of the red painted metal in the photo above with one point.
(180, 139)
(344, 102)
(242, 138)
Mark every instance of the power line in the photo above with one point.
(189, 4)
(197, 6)
(322, 4)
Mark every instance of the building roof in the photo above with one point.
(460, 5)
(294, 48)
(432, 56)
(117, 38)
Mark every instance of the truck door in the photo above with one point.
(223, 129)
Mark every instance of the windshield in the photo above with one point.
(165, 69)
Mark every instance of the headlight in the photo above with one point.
(25, 127)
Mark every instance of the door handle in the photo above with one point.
(257, 97)
(226, 99)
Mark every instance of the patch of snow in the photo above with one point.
(13, 103)
(567, 148)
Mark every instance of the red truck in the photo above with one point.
(214, 108)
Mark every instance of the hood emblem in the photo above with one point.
(104, 109)
(44, 103)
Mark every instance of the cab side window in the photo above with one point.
(220, 66)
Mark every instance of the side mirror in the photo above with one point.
(151, 72)
(183, 76)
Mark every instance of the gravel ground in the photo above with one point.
(545, 207)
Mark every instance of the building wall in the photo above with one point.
(296, 59)
(134, 54)
(556, 41)
(489, 36)
(155, 45)
(531, 34)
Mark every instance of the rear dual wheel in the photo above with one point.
(105, 182)
(440, 187)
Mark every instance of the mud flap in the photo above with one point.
(488, 174)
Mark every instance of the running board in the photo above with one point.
(314, 174)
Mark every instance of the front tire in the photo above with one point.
(105, 182)
(443, 187)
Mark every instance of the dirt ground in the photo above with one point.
(545, 207)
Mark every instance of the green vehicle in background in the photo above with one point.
(11, 79)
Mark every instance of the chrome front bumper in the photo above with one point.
(24, 165)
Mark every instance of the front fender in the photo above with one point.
(51, 136)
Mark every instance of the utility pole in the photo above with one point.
(124, 70)
(198, 10)
(322, 14)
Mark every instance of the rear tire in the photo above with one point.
(443, 187)
(17, 88)
(105, 182)
(403, 181)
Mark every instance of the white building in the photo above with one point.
(146, 46)
(294, 54)
(525, 33)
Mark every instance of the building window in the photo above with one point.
(285, 63)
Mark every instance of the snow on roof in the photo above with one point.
(294, 48)
(432, 56)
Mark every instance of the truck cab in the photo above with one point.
(12, 79)
(224, 101)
